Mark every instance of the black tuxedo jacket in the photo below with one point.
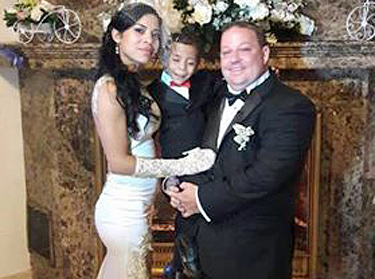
(183, 121)
(249, 193)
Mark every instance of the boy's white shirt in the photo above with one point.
(181, 90)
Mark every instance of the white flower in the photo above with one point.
(292, 7)
(259, 12)
(243, 135)
(282, 15)
(202, 13)
(221, 7)
(248, 3)
(36, 13)
(216, 23)
(307, 25)
(171, 17)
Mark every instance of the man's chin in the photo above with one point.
(238, 86)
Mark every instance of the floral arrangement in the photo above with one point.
(281, 19)
(28, 11)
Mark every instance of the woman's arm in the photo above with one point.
(110, 122)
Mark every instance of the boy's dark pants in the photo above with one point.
(185, 259)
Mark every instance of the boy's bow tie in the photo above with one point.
(186, 83)
(233, 97)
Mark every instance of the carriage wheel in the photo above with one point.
(44, 33)
(360, 23)
(68, 26)
(25, 32)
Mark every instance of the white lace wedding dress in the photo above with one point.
(121, 210)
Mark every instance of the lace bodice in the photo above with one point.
(147, 126)
(142, 144)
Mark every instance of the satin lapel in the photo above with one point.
(213, 124)
(253, 100)
(197, 92)
(194, 95)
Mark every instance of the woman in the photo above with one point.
(126, 116)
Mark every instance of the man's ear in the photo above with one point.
(266, 54)
(116, 35)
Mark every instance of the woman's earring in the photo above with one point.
(116, 49)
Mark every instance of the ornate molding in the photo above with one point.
(324, 49)
(315, 54)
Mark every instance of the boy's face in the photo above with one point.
(182, 62)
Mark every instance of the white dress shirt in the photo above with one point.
(229, 112)
(181, 90)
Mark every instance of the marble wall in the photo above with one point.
(60, 174)
(338, 75)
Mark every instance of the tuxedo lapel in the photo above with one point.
(253, 101)
(194, 94)
(198, 90)
(213, 126)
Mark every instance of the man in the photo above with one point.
(246, 201)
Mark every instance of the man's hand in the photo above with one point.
(184, 201)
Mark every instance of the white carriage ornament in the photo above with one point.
(360, 23)
(60, 22)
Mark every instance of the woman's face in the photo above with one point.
(140, 42)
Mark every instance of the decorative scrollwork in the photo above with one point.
(360, 23)
(66, 27)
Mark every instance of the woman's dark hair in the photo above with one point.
(127, 83)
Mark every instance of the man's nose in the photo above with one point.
(234, 57)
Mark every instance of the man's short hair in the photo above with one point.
(261, 36)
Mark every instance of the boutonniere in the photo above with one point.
(243, 135)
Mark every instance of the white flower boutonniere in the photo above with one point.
(243, 135)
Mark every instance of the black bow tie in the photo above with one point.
(233, 97)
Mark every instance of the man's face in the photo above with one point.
(182, 62)
(243, 60)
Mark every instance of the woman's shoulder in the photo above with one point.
(104, 92)
(104, 81)
(105, 84)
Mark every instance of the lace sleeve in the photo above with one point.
(98, 87)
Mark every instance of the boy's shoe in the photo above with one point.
(188, 251)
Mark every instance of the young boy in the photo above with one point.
(184, 95)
